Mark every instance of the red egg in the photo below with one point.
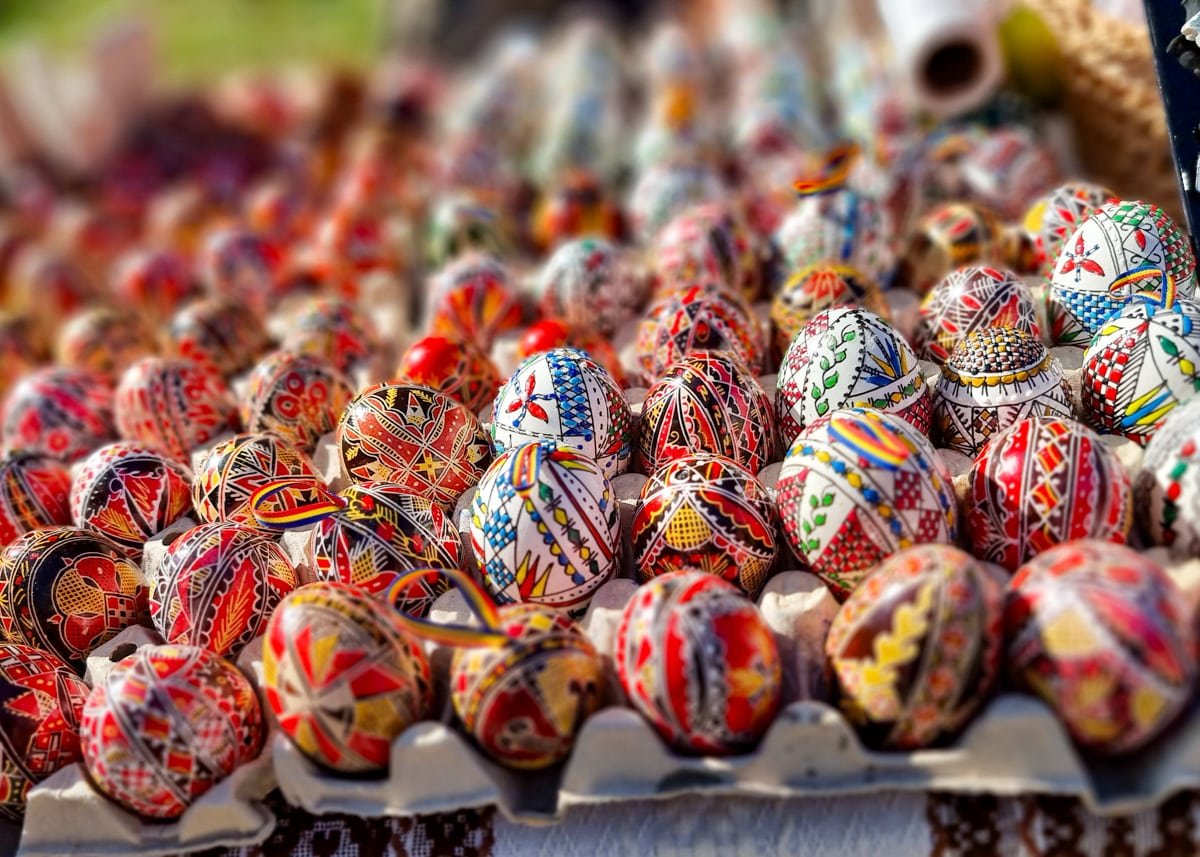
(333, 330)
(34, 493)
(230, 474)
(62, 413)
(456, 368)
(698, 318)
(176, 405)
(473, 298)
(218, 333)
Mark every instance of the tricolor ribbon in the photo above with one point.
(294, 516)
(491, 633)
(831, 174)
(1151, 285)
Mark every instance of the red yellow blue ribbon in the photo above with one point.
(491, 633)
(1150, 283)
(870, 439)
(293, 516)
(831, 174)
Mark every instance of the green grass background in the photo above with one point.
(199, 38)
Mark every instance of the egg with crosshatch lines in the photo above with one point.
(175, 405)
(916, 647)
(545, 527)
(1111, 241)
(59, 412)
(218, 585)
(698, 318)
(697, 660)
(706, 513)
(383, 530)
(130, 493)
(849, 357)
(34, 492)
(342, 676)
(415, 437)
(68, 591)
(565, 397)
(1099, 633)
(971, 298)
(856, 487)
(1043, 482)
(525, 701)
(165, 725)
(298, 397)
(454, 367)
(994, 378)
(707, 402)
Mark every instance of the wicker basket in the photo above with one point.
(1111, 96)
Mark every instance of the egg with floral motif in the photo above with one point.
(473, 298)
(971, 298)
(298, 397)
(59, 412)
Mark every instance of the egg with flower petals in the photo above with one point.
(473, 298)
(971, 298)
(59, 412)
(298, 397)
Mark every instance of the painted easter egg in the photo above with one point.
(709, 402)
(333, 330)
(545, 527)
(699, 663)
(165, 725)
(241, 266)
(816, 288)
(343, 677)
(157, 281)
(383, 530)
(34, 493)
(858, 486)
(994, 378)
(298, 397)
(39, 722)
(664, 190)
(59, 412)
(129, 493)
(698, 318)
(473, 298)
(848, 357)
(916, 647)
(1143, 362)
(950, 236)
(710, 241)
(564, 397)
(218, 333)
(1043, 482)
(1099, 632)
(525, 701)
(229, 475)
(104, 340)
(68, 591)
(1167, 488)
(589, 284)
(455, 368)
(175, 405)
(217, 586)
(1053, 217)
(971, 298)
(841, 226)
(459, 225)
(706, 513)
(577, 207)
(1087, 288)
(415, 437)
(1008, 169)
(551, 333)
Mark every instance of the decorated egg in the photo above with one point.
(474, 299)
(1056, 215)
(916, 647)
(383, 530)
(34, 493)
(218, 333)
(550, 333)
(698, 318)
(415, 437)
(333, 330)
(453, 367)
(564, 397)
(699, 663)
(858, 486)
(994, 378)
(545, 527)
(709, 402)
(59, 412)
(1167, 488)
(706, 513)
(165, 725)
(343, 677)
(45, 286)
(240, 266)
(838, 226)
(525, 701)
(1008, 169)
(129, 493)
(103, 340)
(155, 281)
(1099, 633)
(175, 405)
(1143, 362)
(950, 236)
(230, 474)
(816, 288)
(710, 241)
(666, 189)
(848, 357)
(588, 284)
(578, 207)
(1088, 284)
(68, 591)
(971, 298)
(217, 586)
(39, 722)
(298, 397)
(459, 225)
(1043, 482)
